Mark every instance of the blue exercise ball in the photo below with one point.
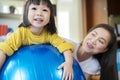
(37, 62)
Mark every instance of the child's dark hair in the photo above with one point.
(108, 59)
(50, 27)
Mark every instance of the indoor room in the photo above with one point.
(75, 21)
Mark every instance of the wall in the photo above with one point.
(69, 19)
(12, 23)
(12, 20)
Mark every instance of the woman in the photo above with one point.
(97, 53)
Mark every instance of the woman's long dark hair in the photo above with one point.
(50, 27)
(108, 59)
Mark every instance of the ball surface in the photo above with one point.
(37, 62)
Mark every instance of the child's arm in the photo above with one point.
(67, 65)
(2, 58)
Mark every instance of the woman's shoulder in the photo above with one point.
(91, 60)
(91, 65)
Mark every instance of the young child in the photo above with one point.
(38, 27)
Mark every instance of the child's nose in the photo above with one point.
(39, 13)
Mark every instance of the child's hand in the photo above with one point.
(68, 72)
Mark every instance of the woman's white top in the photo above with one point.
(90, 65)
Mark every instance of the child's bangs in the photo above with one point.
(44, 2)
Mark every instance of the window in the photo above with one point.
(117, 29)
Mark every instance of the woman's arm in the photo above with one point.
(2, 58)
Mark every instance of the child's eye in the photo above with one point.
(34, 8)
(45, 10)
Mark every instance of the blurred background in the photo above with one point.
(73, 17)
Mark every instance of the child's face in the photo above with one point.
(96, 41)
(38, 15)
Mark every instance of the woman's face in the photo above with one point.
(96, 41)
(38, 15)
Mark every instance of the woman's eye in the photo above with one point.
(93, 34)
(101, 41)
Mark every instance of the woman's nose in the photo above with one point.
(94, 41)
